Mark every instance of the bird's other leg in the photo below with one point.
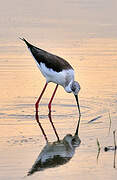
(49, 105)
(49, 115)
(43, 132)
(37, 103)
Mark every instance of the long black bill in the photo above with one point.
(76, 133)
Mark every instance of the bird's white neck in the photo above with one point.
(68, 88)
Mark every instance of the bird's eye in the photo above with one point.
(73, 140)
(73, 88)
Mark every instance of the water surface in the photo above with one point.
(85, 33)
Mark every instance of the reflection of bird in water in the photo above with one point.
(56, 153)
(56, 70)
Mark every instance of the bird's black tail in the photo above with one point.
(27, 43)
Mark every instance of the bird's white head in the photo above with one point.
(75, 87)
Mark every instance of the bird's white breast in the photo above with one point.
(62, 78)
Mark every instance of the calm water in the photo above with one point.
(85, 33)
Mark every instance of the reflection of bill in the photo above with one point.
(56, 153)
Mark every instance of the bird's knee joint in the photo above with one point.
(49, 107)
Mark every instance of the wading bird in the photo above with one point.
(57, 70)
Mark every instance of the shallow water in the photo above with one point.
(84, 33)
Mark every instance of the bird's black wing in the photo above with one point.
(50, 60)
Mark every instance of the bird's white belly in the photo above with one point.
(62, 78)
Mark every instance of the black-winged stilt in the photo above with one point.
(57, 70)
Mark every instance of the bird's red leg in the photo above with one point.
(37, 103)
(49, 115)
(49, 105)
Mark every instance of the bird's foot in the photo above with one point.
(49, 108)
(49, 114)
(37, 117)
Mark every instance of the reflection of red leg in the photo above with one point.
(37, 118)
(50, 118)
(49, 115)
(37, 103)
